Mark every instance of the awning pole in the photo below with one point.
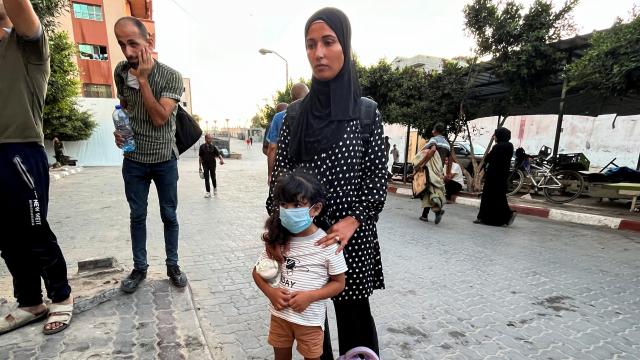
(406, 155)
(556, 143)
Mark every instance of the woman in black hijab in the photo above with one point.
(494, 208)
(325, 132)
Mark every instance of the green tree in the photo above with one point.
(519, 44)
(281, 96)
(61, 116)
(48, 11)
(258, 122)
(611, 65)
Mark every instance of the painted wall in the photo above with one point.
(599, 138)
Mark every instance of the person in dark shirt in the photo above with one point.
(208, 155)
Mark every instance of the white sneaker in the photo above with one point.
(215, 191)
(207, 195)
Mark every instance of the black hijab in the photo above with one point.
(326, 110)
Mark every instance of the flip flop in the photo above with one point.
(58, 313)
(18, 318)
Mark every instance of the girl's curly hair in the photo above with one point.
(299, 185)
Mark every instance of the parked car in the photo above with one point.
(462, 150)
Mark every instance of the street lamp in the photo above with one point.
(286, 64)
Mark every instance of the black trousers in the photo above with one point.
(209, 171)
(356, 327)
(451, 188)
(28, 246)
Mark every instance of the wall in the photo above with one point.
(597, 137)
(100, 149)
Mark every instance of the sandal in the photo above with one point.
(18, 318)
(58, 313)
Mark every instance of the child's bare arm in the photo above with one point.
(300, 300)
(278, 297)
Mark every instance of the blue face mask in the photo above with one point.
(296, 220)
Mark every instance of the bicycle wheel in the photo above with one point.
(563, 186)
(515, 181)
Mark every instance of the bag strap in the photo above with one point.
(368, 120)
(368, 117)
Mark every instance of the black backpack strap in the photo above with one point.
(292, 110)
(368, 120)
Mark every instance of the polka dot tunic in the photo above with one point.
(355, 181)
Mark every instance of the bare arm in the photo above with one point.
(278, 297)
(271, 158)
(24, 18)
(159, 111)
(427, 156)
(300, 300)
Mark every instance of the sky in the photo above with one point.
(216, 43)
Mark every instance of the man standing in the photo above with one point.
(395, 153)
(149, 91)
(272, 137)
(298, 91)
(28, 246)
(208, 154)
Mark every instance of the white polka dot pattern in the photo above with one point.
(355, 180)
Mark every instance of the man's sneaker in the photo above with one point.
(215, 191)
(424, 218)
(131, 282)
(439, 217)
(177, 277)
(207, 194)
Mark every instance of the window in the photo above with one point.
(89, 12)
(96, 91)
(93, 52)
(184, 103)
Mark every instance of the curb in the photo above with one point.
(553, 214)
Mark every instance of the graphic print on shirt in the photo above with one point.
(290, 264)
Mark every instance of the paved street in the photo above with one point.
(538, 290)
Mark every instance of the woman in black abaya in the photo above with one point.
(494, 208)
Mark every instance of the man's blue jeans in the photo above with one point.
(137, 179)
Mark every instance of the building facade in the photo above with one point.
(89, 24)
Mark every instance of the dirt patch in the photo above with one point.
(557, 303)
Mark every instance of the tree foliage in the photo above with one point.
(61, 116)
(269, 110)
(519, 44)
(48, 11)
(611, 65)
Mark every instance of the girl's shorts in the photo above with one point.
(309, 338)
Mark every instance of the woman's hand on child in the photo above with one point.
(300, 300)
(340, 233)
(279, 298)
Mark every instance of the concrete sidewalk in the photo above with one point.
(577, 214)
(156, 322)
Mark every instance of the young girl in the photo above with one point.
(309, 274)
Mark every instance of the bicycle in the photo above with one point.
(559, 186)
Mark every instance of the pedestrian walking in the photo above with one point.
(339, 135)
(207, 155)
(430, 159)
(309, 274)
(28, 245)
(494, 207)
(453, 178)
(149, 90)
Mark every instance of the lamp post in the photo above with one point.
(215, 126)
(207, 123)
(286, 64)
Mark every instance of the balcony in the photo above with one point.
(141, 9)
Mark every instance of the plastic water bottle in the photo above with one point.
(123, 126)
